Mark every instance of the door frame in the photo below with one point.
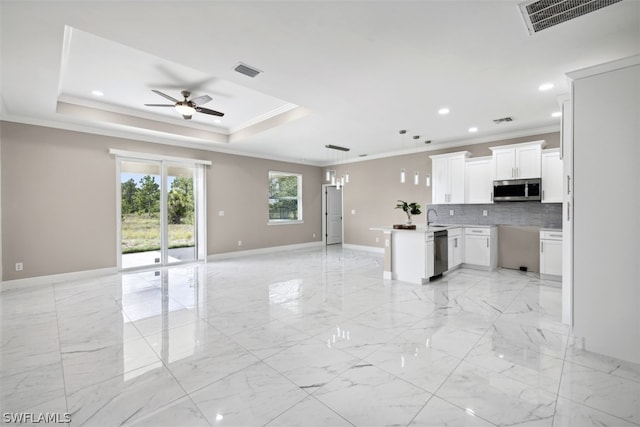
(163, 161)
(324, 212)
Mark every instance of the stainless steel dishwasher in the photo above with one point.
(440, 252)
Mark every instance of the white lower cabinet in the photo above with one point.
(455, 246)
(550, 254)
(481, 247)
(429, 267)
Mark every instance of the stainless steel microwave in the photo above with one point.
(517, 190)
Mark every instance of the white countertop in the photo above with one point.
(424, 229)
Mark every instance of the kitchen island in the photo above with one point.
(414, 256)
(409, 254)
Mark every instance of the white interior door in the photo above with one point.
(333, 215)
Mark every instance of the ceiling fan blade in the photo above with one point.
(159, 105)
(164, 95)
(208, 111)
(186, 117)
(201, 99)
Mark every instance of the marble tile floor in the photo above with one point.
(305, 338)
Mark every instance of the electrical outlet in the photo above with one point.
(19, 266)
(377, 240)
(353, 211)
(451, 212)
(386, 243)
(220, 213)
(239, 242)
(484, 212)
(314, 235)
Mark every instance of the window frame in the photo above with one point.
(276, 173)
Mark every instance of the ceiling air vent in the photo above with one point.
(541, 14)
(337, 147)
(502, 120)
(247, 70)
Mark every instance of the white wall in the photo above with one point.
(606, 144)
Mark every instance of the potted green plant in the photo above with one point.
(409, 208)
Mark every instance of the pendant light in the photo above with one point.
(403, 176)
(331, 174)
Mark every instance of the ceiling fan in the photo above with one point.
(187, 107)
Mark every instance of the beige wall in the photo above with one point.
(59, 200)
(374, 186)
(519, 247)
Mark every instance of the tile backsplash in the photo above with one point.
(534, 214)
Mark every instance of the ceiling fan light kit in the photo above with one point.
(184, 109)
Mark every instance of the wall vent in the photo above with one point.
(542, 14)
(502, 120)
(247, 70)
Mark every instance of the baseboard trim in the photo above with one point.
(262, 251)
(373, 249)
(55, 278)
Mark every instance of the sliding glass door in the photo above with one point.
(181, 214)
(161, 217)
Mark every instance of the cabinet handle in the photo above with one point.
(568, 184)
(541, 247)
(568, 211)
(517, 172)
(542, 194)
(555, 235)
(491, 196)
(487, 242)
(455, 242)
(513, 172)
(476, 231)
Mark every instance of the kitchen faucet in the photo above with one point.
(430, 210)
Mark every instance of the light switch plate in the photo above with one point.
(451, 212)
(484, 212)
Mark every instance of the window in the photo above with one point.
(285, 197)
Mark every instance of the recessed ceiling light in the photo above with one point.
(473, 129)
(97, 93)
(556, 114)
(443, 111)
(545, 86)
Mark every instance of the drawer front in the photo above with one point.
(473, 231)
(551, 235)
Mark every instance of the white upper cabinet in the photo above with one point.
(551, 176)
(479, 180)
(517, 161)
(448, 172)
